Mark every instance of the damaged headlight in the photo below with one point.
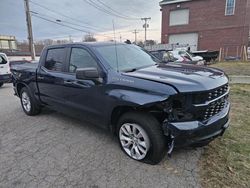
(180, 109)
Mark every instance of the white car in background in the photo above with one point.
(5, 75)
(198, 60)
(187, 57)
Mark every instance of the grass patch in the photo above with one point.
(226, 161)
(234, 68)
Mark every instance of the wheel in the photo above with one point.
(1, 84)
(141, 137)
(28, 102)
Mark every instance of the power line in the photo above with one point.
(110, 8)
(101, 8)
(55, 22)
(66, 16)
(58, 22)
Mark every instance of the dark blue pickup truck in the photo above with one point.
(151, 106)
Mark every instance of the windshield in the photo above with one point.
(128, 58)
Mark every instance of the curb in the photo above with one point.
(239, 79)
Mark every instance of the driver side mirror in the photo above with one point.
(90, 73)
(87, 73)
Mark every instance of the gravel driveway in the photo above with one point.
(53, 150)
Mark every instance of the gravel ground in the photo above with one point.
(53, 150)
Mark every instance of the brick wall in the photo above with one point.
(207, 18)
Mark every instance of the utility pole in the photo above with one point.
(145, 26)
(30, 33)
(135, 32)
(120, 37)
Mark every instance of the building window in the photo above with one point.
(230, 7)
(179, 17)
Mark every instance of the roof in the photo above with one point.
(87, 44)
(167, 2)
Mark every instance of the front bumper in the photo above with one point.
(193, 132)
(5, 78)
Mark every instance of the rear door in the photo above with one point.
(51, 76)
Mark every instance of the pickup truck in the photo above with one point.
(152, 107)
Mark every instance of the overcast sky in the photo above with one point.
(79, 14)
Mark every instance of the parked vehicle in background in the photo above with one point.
(151, 106)
(187, 57)
(5, 75)
(208, 56)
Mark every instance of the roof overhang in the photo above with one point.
(168, 2)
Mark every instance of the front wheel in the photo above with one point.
(1, 84)
(28, 102)
(141, 137)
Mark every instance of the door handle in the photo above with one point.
(67, 82)
(40, 77)
(1, 67)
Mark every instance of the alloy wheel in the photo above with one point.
(134, 140)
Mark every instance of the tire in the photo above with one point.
(28, 102)
(151, 143)
(1, 84)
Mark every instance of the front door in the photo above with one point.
(84, 97)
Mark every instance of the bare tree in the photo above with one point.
(89, 38)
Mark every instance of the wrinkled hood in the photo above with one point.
(185, 78)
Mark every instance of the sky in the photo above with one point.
(82, 17)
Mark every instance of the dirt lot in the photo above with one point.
(234, 68)
(52, 150)
(226, 161)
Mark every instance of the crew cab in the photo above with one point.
(5, 75)
(152, 107)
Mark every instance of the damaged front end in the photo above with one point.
(196, 118)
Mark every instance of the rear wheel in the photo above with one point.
(1, 84)
(28, 102)
(141, 137)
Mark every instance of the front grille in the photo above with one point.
(217, 92)
(211, 103)
(215, 107)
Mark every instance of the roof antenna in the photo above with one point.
(117, 64)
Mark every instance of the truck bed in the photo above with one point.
(29, 67)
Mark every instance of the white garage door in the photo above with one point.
(191, 39)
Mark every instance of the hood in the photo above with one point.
(185, 78)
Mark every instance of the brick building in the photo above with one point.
(207, 24)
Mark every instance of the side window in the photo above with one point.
(80, 58)
(54, 59)
(2, 60)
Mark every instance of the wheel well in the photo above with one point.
(120, 110)
(117, 113)
(19, 88)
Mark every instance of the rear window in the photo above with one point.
(2, 60)
(54, 59)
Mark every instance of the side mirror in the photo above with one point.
(87, 73)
